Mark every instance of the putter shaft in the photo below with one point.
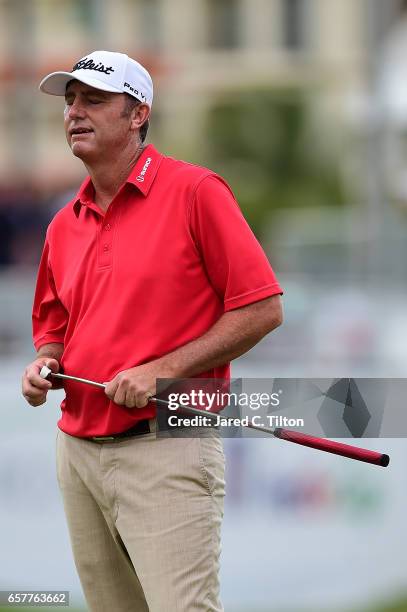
(77, 379)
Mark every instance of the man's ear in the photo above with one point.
(139, 116)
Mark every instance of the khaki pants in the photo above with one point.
(144, 516)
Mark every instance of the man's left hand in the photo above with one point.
(133, 387)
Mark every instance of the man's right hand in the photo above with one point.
(35, 388)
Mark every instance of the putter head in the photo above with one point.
(45, 372)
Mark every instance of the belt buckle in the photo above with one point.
(102, 438)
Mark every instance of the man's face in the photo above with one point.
(95, 125)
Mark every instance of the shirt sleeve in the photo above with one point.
(49, 316)
(236, 265)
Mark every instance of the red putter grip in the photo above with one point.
(353, 452)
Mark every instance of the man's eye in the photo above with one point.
(95, 101)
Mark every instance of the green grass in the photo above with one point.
(396, 606)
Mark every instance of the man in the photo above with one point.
(150, 272)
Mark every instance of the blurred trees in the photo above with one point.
(265, 145)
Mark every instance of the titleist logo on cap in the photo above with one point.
(88, 64)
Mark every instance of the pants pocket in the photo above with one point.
(212, 462)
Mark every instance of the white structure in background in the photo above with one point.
(392, 92)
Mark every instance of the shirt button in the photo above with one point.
(108, 227)
(105, 247)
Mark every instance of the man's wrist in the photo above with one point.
(52, 350)
(167, 367)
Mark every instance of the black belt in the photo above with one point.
(140, 428)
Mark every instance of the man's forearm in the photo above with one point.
(235, 333)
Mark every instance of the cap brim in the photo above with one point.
(56, 82)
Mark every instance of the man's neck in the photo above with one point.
(108, 175)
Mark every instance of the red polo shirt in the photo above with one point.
(170, 255)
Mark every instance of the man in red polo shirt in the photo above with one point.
(149, 272)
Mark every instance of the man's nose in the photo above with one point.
(76, 110)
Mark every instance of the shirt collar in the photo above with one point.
(142, 177)
(144, 172)
(84, 195)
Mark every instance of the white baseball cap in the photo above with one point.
(105, 70)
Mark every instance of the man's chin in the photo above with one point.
(81, 151)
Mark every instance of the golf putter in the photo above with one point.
(329, 446)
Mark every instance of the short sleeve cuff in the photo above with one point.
(252, 296)
(47, 339)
